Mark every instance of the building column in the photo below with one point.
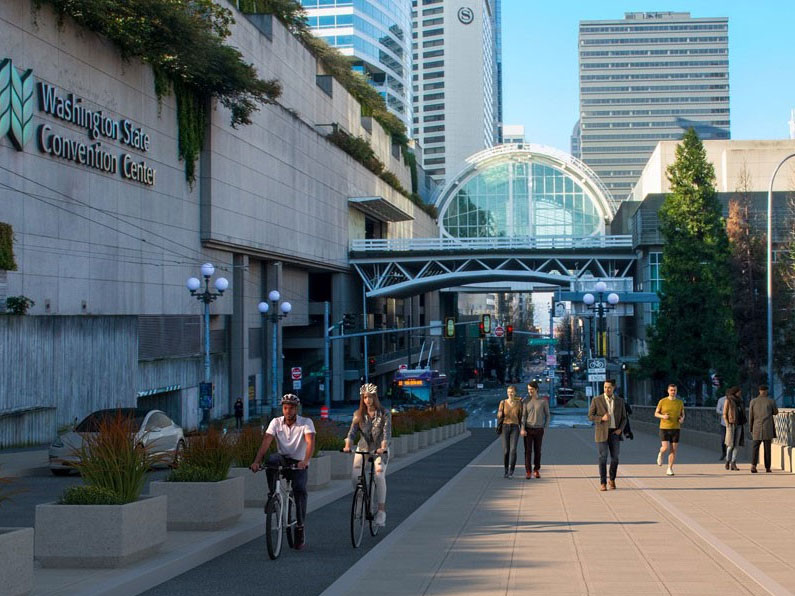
(238, 349)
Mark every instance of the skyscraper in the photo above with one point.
(648, 78)
(455, 81)
(376, 34)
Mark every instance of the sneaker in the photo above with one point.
(536, 474)
(506, 474)
(510, 474)
(659, 458)
(299, 538)
(380, 518)
(669, 472)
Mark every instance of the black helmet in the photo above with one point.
(291, 398)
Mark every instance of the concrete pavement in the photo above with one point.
(705, 530)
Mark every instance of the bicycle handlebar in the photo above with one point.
(357, 452)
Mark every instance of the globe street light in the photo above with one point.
(600, 308)
(277, 311)
(206, 297)
(770, 274)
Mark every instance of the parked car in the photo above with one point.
(153, 429)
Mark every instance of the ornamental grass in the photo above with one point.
(207, 458)
(329, 436)
(245, 445)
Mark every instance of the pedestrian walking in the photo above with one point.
(535, 418)
(239, 414)
(671, 412)
(763, 430)
(733, 420)
(609, 416)
(719, 410)
(509, 416)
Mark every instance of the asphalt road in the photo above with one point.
(328, 554)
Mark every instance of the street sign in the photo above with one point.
(436, 328)
(597, 365)
(403, 367)
(295, 373)
(597, 377)
(206, 396)
(552, 360)
(542, 341)
(588, 391)
(499, 331)
(296, 385)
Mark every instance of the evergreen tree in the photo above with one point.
(694, 332)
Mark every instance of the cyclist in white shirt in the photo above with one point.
(295, 444)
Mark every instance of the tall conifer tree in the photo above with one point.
(694, 332)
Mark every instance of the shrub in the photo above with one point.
(402, 424)
(329, 436)
(19, 305)
(358, 148)
(207, 458)
(113, 460)
(246, 444)
(86, 494)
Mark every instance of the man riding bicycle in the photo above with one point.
(295, 443)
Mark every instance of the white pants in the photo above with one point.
(380, 475)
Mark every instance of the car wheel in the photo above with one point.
(178, 454)
(60, 471)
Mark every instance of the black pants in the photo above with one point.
(613, 445)
(768, 453)
(510, 438)
(238, 422)
(532, 448)
(722, 430)
(297, 477)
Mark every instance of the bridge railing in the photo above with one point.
(500, 243)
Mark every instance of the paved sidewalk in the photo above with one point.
(704, 531)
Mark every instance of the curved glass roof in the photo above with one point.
(524, 191)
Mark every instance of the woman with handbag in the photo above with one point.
(509, 415)
(734, 417)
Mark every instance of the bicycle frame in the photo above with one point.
(364, 509)
(284, 519)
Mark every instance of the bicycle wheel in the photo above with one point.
(291, 521)
(357, 517)
(373, 506)
(273, 525)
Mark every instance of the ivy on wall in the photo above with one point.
(183, 41)
(7, 261)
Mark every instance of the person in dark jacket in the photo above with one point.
(609, 416)
(763, 430)
(239, 414)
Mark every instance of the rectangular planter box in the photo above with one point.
(99, 535)
(425, 437)
(319, 472)
(255, 491)
(341, 464)
(399, 446)
(436, 435)
(413, 442)
(16, 560)
(202, 505)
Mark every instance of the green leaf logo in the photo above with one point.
(16, 104)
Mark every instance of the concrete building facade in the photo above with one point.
(644, 79)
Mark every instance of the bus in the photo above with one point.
(419, 388)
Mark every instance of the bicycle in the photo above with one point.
(277, 516)
(365, 501)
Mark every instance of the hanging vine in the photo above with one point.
(7, 261)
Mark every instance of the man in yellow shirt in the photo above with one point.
(671, 412)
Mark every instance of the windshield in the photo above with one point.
(92, 422)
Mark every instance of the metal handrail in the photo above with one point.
(500, 243)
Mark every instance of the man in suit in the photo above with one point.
(763, 430)
(609, 416)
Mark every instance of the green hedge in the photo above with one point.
(7, 261)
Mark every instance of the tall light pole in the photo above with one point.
(277, 311)
(597, 304)
(770, 274)
(206, 297)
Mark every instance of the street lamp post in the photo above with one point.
(277, 311)
(206, 297)
(770, 273)
(597, 304)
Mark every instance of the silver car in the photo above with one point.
(153, 429)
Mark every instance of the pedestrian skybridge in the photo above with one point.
(514, 213)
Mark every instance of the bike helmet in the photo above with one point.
(368, 389)
(291, 398)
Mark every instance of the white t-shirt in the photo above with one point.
(290, 440)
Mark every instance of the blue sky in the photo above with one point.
(539, 52)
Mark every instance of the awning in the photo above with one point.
(379, 208)
(165, 389)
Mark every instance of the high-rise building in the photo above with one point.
(575, 141)
(454, 81)
(513, 133)
(376, 34)
(648, 78)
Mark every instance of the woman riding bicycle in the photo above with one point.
(375, 425)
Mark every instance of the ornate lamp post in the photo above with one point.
(277, 311)
(206, 297)
(600, 308)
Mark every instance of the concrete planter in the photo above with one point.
(16, 560)
(319, 472)
(445, 431)
(424, 438)
(99, 535)
(202, 505)
(341, 464)
(436, 435)
(255, 491)
(413, 442)
(399, 446)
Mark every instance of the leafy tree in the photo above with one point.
(748, 292)
(784, 306)
(694, 331)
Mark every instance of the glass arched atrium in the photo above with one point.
(524, 191)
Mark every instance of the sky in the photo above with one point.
(539, 53)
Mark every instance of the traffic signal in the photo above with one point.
(449, 327)
(509, 333)
(485, 324)
(348, 321)
(371, 365)
(481, 329)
